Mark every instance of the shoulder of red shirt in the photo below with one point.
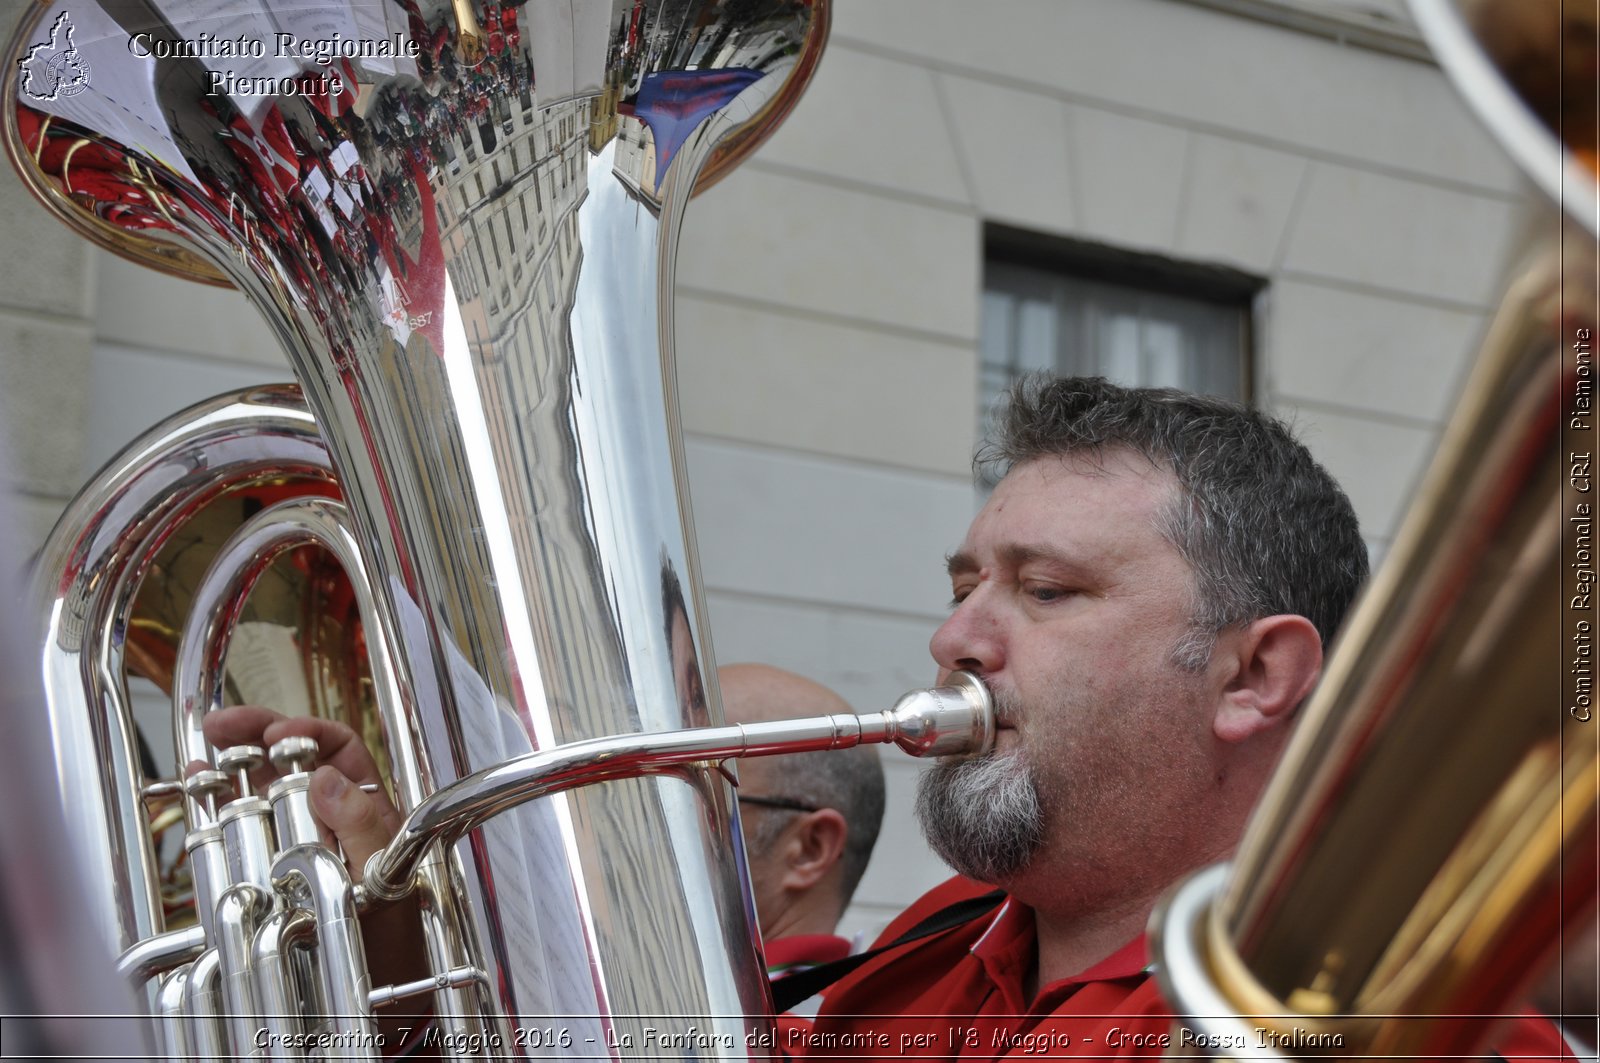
(804, 950)
(1530, 1037)
(946, 893)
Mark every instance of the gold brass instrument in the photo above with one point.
(1432, 831)
(460, 219)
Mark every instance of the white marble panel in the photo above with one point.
(46, 265)
(1400, 235)
(1236, 202)
(1130, 176)
(793, 635)
(783, 525)
(878, 658)
(1014, 148)
(30, 519)
(1214, 70)
(869, 658)
(1377, 462)
(815, 385)
(140, 307)
(1366, 351)
(818, 247)
(130, 389)
(43, 404)
(864, 118)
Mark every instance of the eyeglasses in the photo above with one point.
(786, 803)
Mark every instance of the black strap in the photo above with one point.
(792, 989)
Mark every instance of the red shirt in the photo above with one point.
(801, 952)
(960, 994)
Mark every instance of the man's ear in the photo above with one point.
(815, 848)
(1278, 659)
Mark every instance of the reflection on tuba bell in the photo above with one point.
(1432, 830)
(460, 220)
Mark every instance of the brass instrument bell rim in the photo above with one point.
(135, 247)
(1199, 995)
(1536, 151)
(1213, 992)
(753, 132)
(181, 262)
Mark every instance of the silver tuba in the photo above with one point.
(460, 219)
(1431, 834)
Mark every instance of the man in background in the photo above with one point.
(810, 819)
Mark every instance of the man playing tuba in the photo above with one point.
(1147, 593)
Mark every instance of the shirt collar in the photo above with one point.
(1131, 959)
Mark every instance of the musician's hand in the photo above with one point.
(362, 822)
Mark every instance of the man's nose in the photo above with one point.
(969, 639)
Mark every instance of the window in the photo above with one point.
(1086, 310)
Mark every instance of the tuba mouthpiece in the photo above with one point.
(956, 719)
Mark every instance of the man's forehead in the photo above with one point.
(1122, 479)
(1072, 503)
(1111, 464)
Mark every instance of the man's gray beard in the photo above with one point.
(982, 814)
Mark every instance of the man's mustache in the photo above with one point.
(1008, 711)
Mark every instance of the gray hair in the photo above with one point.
(848, 780)
(1264, 527)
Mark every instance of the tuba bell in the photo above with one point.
(1431, 834)
(460, 220)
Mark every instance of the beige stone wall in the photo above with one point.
(46, 344)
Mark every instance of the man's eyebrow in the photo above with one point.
(1020, 554)
(1014, 556)
(960, 563)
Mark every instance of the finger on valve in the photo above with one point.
(347, 795)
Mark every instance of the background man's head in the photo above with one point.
(1147, 593)
(810, 819)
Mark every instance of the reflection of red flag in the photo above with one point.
(242, 144)
(61, 155)
(421, 294)
(491, 26)
(270, 148)
(118, 202)
(266, 197)
(28, 127)
(90, 172)
(316, 89)
(281, 158)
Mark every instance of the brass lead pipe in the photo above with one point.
(958, 718)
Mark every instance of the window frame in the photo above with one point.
(1140, 271)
